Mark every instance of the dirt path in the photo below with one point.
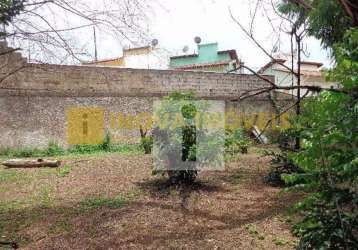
(232, 209)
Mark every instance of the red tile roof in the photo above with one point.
(318, 64)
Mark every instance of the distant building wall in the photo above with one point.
(208, 58)
(137, 58)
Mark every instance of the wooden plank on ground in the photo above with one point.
(24, 163)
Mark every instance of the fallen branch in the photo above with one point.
(39, 163)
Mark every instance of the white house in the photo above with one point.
(311, 74)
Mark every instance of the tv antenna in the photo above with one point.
(154, 42)
(197, 40)
(185, 48)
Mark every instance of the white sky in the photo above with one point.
(175, 24)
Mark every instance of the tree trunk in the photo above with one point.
(39, 163)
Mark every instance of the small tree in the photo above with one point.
(176, 151)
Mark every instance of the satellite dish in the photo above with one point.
(154, 42)
(186, 49)
(197, 39)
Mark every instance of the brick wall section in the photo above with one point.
(34, 97)
(59, 80)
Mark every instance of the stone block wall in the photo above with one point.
(35, 99)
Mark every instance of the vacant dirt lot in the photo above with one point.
(113, 202)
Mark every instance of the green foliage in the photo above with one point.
(281, 165)
(346, 70)
(64, 171)
(106, 144)
(329, 159)
(330, 29)
(146, 144)
(251, 229)
(9, 9)
(54, 149)
(237, 142)
(280, 241)
(94, 149)
(179, 135)
(93, 203)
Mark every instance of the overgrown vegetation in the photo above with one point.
(280, 164)
(328, 133)
(328, 158)
(146, 144)
(237, 142)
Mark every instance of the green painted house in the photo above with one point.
(208, 58)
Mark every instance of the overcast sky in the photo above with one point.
(175, 24)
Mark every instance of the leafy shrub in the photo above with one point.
(170, 140)
(237, 142)
(146, 144)
(54, 149)
(280, 164)
(106, 144)
(85, 149)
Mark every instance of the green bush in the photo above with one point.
(54, 149)
(146, 144)
(106, 144)
(172, 139)
(280, 164)
(237, 142)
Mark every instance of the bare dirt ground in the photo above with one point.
(113, 202)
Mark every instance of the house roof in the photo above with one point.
(231, 52)
(269, 64)
(104, 60)
(281, 61)
(204, 65)
(125, 51)
(318, 64)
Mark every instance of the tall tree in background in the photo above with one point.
(328, 20)
(9, 9)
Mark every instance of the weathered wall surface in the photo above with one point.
(38, 102)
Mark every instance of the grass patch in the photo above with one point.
(44, 197)
(11, 176)
(251, 229)
(15, 178)
(10, 206)
(280, 241)
(94, 203)
(60, 226)
(64, 171)
(54, 149)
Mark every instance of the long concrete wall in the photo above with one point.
(40, 102)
